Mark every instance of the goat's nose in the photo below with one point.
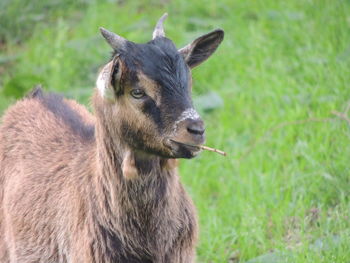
(196, 127)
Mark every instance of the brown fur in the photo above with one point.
(80, 188)
(64, 197)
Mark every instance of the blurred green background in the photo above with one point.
(274, 96)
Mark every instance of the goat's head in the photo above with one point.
(145, 92)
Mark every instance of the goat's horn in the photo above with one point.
(115, 41)
(159, 30)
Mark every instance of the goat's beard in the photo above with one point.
(145, 145)
(164, 149)
(155, 144)
(182, 150)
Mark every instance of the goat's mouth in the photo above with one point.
(182, 149)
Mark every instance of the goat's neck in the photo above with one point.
(129, 180)
(116, 159)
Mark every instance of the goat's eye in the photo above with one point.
(137, 93)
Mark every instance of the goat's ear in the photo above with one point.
(108, 81)
(202, 48)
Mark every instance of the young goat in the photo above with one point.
(101, 189)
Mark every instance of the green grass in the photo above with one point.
(282, 193)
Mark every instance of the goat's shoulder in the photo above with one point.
(45, 117)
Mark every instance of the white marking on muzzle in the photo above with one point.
(190, 113)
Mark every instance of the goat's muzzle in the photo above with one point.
(189, 135)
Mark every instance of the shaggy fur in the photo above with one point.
(103, 188)
(65, 200)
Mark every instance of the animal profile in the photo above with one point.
(104, 187)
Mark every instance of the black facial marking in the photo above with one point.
(160, 61)
(56, 104)
(151, 109)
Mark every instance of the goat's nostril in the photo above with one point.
(196, 128)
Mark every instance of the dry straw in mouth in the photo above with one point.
(203, 147)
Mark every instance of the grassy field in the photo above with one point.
(283, 74)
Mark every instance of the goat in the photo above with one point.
(103, 188)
